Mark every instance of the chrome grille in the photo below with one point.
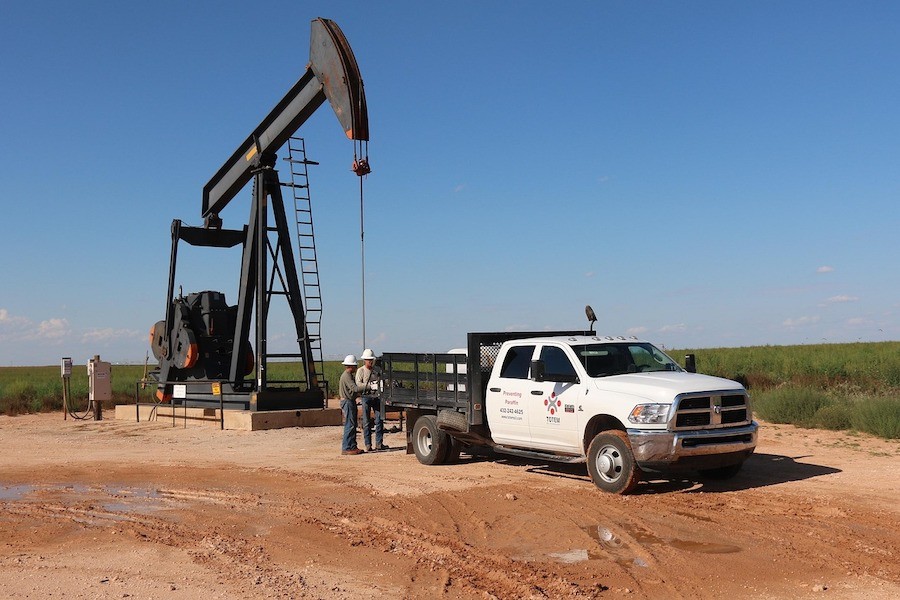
(711, 411)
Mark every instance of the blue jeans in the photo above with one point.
(372, 403)
(348, 409)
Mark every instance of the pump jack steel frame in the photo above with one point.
(332, 74)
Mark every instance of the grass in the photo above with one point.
(851, 387)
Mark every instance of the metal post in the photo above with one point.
(262, 238)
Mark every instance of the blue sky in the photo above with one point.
(703, 174)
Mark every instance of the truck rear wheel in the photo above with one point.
(430, 444)
(611, 463)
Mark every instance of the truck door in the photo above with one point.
(507, 399)
(553, 403)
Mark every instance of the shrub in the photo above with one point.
(835, 416)
(878, 416)
(789, 404)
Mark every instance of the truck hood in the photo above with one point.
(663, 386)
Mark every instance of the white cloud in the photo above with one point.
(673, 328)
(13, 328)
(108, 334)
(53, 329)
(8, 321)
(590, 274)
(800, 321)
(844, 298)
(460, 187)
(824, 269)
(856, 322)
(640, 330)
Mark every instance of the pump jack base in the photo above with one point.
(241, 420)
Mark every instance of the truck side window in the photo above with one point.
(557, 365)
(517, 362)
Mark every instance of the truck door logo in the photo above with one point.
(552, 403)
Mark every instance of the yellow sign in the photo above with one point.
(216, 389)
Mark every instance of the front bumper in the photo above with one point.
(704, 448)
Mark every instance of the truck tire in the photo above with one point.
(611, 463)
(721, 473)
(452, 420)
(430, 444)
(453, 451)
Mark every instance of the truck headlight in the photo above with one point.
(649, 414)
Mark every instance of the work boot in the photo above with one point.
(352, 452)
(368, 448)
(383, 447)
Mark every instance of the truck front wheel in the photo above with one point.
(430, 444)
(611, 463)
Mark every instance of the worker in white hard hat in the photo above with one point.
(348, 392)
(369, 377)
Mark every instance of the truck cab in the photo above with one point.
(557, 394)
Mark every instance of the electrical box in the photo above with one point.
(65, 367)
(99, 379)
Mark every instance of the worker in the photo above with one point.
(369, 378)
(349, 391)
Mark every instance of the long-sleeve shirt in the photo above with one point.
(364, 376)
(348, 387)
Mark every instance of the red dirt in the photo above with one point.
(115, 509)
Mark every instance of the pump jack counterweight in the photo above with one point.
(205, 344)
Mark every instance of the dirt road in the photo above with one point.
(115, 509)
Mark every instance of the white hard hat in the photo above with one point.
(368, 354)
(349, 361)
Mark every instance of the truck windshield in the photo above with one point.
(602, 360)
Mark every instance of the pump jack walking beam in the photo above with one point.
(332, 73)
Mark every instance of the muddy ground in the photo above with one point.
(116, 509)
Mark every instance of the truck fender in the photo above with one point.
(595, 425)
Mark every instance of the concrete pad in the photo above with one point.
(242, 420)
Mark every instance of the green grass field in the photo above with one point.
(833, 386)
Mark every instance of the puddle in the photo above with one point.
(609, 540)
(572, 556)
(15, 492)
(124, 499)
(620, 547)
(133, 500)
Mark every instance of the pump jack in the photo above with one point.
(203, 345)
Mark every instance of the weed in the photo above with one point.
(879, 416)
(797, 405)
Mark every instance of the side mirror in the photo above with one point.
(690, 363)
(537, 370)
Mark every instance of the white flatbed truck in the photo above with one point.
(617, 403)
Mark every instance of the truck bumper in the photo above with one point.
(701, 449)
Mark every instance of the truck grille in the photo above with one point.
(710, 411)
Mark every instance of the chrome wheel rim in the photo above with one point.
(609, 463)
